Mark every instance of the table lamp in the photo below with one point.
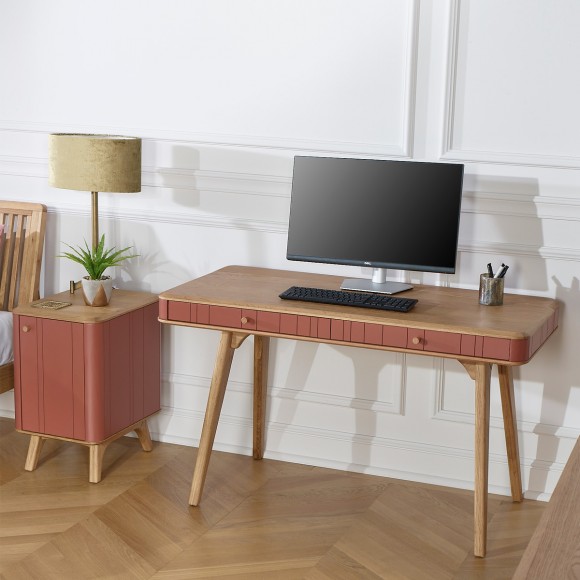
(95, 163)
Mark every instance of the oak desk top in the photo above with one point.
(454, 310)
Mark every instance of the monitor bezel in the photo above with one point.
(373, 263)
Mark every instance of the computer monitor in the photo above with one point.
(376, 213)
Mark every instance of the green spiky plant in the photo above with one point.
(96, 260)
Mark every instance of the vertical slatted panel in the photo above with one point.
(20, 259)
(21, 256)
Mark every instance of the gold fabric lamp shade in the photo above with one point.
(106, 163)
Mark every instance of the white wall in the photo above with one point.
(224, 94)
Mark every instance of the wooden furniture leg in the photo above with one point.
(96, 454)
(261, 351)
(229, 341)
(34, 449)
(481, 374)
(142, 432)
(506, 387)
(482, 386)
(96, 450)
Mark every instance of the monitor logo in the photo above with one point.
(367, 263)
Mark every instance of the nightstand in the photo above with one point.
(85, 374)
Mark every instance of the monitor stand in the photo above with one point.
(378, 284)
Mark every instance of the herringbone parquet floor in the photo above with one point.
(258, 520)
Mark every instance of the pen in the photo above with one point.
(503, 271)
(490, 270)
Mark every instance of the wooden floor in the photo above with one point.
(258, 520)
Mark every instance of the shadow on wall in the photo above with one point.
(181, 178)
(500, 218)
(515, 218)
(49, 283)
(151, 263)
(560, 352)
(367, 366)
(247, 192)
(134, 274)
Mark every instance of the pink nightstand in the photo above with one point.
(85, 374)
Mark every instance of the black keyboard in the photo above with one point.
(343, 298)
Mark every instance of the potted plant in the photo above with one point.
(97, 287)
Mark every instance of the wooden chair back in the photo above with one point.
(20, 252)
(21, 247)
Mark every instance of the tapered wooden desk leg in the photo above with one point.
(261, 351)
(506, 386)
(215, 399)
(482, 385)
(144, 436)
(34, 449)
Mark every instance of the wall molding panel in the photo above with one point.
(219, 140)
(409, 93)
(505, 203)
(199, 220)
(402, 149)
(440, 413)
(510, 158)
(527, 427)
(450, 151)
(393, 405)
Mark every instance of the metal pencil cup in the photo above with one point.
(490, 290)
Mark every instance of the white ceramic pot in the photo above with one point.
(97, 292)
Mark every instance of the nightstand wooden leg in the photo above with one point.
(261, 350)
(96, 461)
(482, 385)
(144, 436)
(34, 449)
(506, 387)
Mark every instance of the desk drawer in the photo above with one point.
(447, 342)
(428, 341)
(232, 317)
(225, 316)
(268, 321)
(179, 311)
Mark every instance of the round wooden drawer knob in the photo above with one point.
(25, 328)
(416, 340)
(245, 320)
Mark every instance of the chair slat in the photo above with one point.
(17, 251)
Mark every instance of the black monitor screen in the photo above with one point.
(379, 213)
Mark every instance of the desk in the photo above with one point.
(446, 322)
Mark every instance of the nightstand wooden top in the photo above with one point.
(122, 301)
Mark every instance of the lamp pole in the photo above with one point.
(95, 218)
